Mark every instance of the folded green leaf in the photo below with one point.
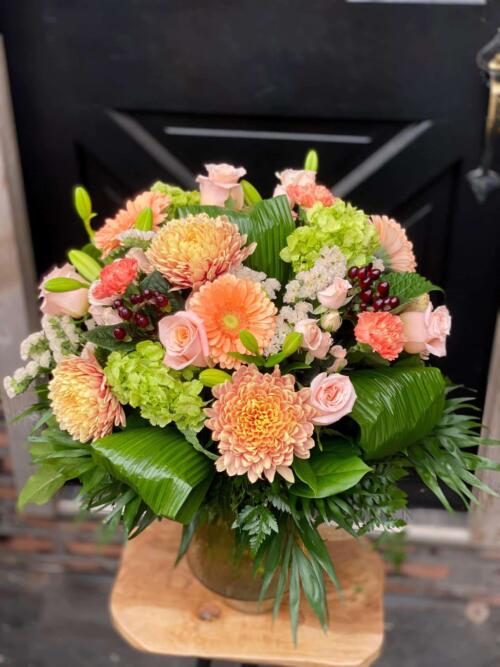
(63, 285)
(396, 407)
(328, 472)
(86, 266)
(161, 466)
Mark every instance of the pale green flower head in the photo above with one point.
(179, 196)
(340, 225)
(141, 379)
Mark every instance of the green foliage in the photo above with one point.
(441, 456)
(161, 467)
(259, 522)
(86, 265)
(63, 285)
(396, 407)
(83, 206)
(340, 225)
(328, 472)
(250, 193)
(179, 197)
(210, 377)
(103, 337)
(268, 223)
(162, 395)
(408, 286)
(144, 221)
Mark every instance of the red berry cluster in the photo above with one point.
(139, 317)
(374, 293)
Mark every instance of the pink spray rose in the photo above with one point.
(74, 303)
(185, 340)
(104, 315)
(335, 295)
(332, 396)
(425, 332)
(316, 342)
(339, 353)
(220, 184)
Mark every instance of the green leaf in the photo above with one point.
(63, 285)
(144, 221)
(311, 163)
(268, 223)
(86, 266)
(313, 585)
(250, 193)
(396, 407)
(294, 595)
(407, 286)
(41, 486)
(315, 545)
(161, 466)
(328, 472)
(103, 337)
(210, 377)
(90, 249)
(249, 341)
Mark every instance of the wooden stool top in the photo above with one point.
(162, 609)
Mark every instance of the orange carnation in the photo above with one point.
(382, 331)
(107, 237)
(115, 278)
(227, 306)
(307, 195)
(261, 423)
(198, 248)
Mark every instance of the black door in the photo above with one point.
(119, 93)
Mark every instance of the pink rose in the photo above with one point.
(332, 396)
(316, 342)
(185, 340)
(425, 332)
(293, 177)
(221, 184)
(74, 303)
(335, 295)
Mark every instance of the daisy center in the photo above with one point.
(231, 321)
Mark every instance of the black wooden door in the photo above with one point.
(118, 93)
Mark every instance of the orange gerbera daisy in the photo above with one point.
(106, 238)
(397, 248)
(198, 248)
(261, 423)
(227, 306)
(81, 400)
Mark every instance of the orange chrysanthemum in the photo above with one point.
(197, 249)
(107, 237)
(382, 331)
(307, 195)
(395, 243)
(81, 400)
(227, 306)
(260, 423)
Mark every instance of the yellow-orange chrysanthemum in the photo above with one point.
(196, 249)
(81, 400)
(395, 243)
(107, 237)
(227, 306)
(260, 423)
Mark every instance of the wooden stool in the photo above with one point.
(162, 609)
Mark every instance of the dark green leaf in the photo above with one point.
(41, 486)
(162, 467)
(317, 548)
(313, 586)
(157, 283)
(103, 337)
(328, 472)
(396, 407)
(407, 286)
(294, 595)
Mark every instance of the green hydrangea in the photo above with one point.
(140, 379)
(179, 196)
(340, 225)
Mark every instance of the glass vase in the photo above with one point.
(225, 567)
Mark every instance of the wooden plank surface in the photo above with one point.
(160, 609)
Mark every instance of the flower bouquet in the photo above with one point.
(248, 367)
